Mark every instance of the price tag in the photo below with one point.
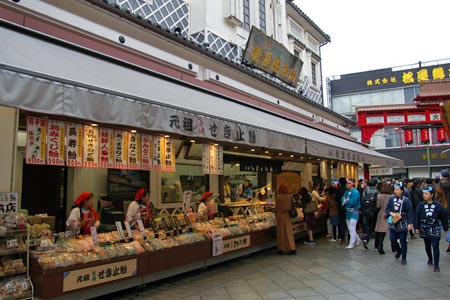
(11, 288)
(24, 285)
(120, 230)
(141, 228)
(12, 243)
(128, 228)
(46, 242)
(94, 235)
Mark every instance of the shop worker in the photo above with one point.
(430, 215)
(139, 209)
(83, 215)
(227, 189)
(205, 211)
(245, 189)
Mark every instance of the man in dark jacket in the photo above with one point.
(341, 209)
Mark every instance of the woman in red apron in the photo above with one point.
(139, 209)
(83, 215)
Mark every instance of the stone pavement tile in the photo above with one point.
(245, 296)
(402, 283)
(215, 291)
(236, 283)
(428, 282)
(275, 294)
(302, 292)
(291, 284)
(370, 296)
(379, 286)
(317, 297)
(317, 283)
(329, 274)
(424, 293)
(399, 294)
(328, 290)
(354, 288)
(193, 298)
(266, 287)
(342, 280)
(341, 297)
(443, 290)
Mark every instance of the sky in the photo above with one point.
(369, 35)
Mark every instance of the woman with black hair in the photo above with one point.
(83, 214)
(139, 209)
(310, 218)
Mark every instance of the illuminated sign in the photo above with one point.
(387, 78)
(264, 53)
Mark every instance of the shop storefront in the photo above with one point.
(85, 128)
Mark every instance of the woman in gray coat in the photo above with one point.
(382, 227)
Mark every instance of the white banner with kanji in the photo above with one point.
(205, 159)
(158, 154)
(146, 151)
(74, 149)
(36, 135)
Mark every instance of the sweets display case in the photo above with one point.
(15, 282)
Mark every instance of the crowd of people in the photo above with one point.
(376, 207)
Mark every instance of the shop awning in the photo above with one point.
(41, 75)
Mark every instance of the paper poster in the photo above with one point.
(120, 149)
(55, 142)
(9, 203)
(158, 154)
(146, 151)
(217, 245)
(74, 149)
(106, 148)
(90, 146)
(187, 195)
(36, 135)
(205, 159)
(212, 159)
(169, 158)
(134, 151)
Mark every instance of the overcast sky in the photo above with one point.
(369, 35)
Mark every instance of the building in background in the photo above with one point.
(391, 122)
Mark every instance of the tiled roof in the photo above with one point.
(389, 107)
(434, 90)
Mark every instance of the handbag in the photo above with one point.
(293, 213)
(310, 208)
(398, 217)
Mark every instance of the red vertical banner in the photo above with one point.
(169, 158)
(90, 146)
(134, 151)
(424, 135)
(146, 151)
(55, 142)
(441, 135)
(158, 154)
(120, 149)
(74, 149)
(409, 138)
(106, 148)
(36, 135)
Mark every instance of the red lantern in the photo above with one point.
(441, 136)
(424, 136)
(409, 139)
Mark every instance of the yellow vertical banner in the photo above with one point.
(120, 149)
(146, 151)
(55, 142)
(90, 146)
(36, 139)
(134, 151)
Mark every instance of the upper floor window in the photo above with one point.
(262, 15)
(296, 53)
(313, 74)
(246, 24)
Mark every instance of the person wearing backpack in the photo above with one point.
(369, 210)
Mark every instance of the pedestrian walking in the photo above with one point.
(382, 226)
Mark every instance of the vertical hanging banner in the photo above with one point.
(134, 151)
(36, 135)
(409, 139)
(120, 149)
(169, 161)
(146, 146)
(74, 149)
(55, 142)
(205, 159)
(441, 135)
(212, 159)
(90, 147)
(106, 145)
(158, 154)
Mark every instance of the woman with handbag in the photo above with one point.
(430, 215)
(400, 214)
(309, 208)
(285, 235)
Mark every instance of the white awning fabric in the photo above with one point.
(45, 76)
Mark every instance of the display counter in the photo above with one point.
(98, 278)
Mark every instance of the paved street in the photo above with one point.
(321, 271)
